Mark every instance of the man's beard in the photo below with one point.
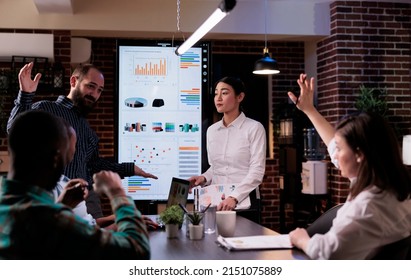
(80, 102)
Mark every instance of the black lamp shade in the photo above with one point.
(227, 5)
(266, 65)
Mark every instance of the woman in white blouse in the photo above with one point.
(378, 208)
(236, 146)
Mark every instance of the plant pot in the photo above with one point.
(172, 230)
(196, 231)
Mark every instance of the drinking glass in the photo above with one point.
(209, 219)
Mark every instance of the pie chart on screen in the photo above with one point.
(135, 102)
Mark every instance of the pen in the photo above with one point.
(182, 207)
(205, 209)
(196, 200)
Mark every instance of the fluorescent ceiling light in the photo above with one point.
(223, 9)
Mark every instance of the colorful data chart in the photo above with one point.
(186, 127)
(137, 183)
(135, 102)
(170, 127)
(151, 67)
(190, 59)
(160, 153)
(157, 126)
(190, 97)
(189, 161)
(135, 127)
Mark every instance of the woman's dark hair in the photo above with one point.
(234, 82)
(382, 166)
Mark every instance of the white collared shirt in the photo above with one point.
(236, 155)
(81, 208)
(363, 225)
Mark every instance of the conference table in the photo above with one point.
(182, 248)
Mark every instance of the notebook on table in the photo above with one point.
(256, 242)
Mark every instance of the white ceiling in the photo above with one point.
(66, 6)
(158, 18)
(306, 20)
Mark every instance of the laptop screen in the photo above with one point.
(178, 192)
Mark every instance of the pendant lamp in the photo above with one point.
(266, 65)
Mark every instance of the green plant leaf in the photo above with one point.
(372, 100)
(195, 217)
(172, 215)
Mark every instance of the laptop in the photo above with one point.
(178, 192)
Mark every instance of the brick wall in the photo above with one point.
(102, 119)
(370, 44)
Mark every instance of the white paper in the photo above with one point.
(216, 193)
(280, 241)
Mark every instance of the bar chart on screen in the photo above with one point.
(139, 187)
(150, 66)
(190, 97)
(189, 161)
(190, 59)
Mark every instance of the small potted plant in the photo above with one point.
(195, 226)
(172, 217)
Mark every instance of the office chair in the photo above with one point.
(399, 250)
(323, 223)
(254, 212)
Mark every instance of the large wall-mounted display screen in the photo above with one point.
(160, 113)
